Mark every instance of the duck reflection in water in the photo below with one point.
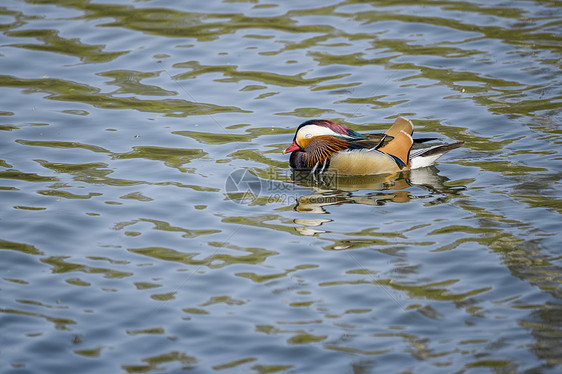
(382, 188)
(367, 190)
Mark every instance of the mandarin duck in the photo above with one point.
(326, 146)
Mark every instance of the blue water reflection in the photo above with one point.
(149, 221)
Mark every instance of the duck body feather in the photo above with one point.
(363, 162)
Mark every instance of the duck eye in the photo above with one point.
(307, 136)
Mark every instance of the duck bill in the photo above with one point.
(292, 147)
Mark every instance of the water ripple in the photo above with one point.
(123, 248)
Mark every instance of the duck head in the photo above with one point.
(316, 140)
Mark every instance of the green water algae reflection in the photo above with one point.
(153, 363)
(60, 265)
(234, 75)
(216, 260)
(129, 82)
(59, 323)
(20, 247)
(64, 90)
(92, 173)
(52, 42)
(29, 177)
(172, 157)
(165, 226)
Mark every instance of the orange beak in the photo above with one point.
(292, 147)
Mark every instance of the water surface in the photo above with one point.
(125, 248)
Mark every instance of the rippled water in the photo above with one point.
(126, 247)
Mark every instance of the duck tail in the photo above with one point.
(427, 156)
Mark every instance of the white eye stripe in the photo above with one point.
(315, 130)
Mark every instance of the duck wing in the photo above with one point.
(401, 124)
(399, 147)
